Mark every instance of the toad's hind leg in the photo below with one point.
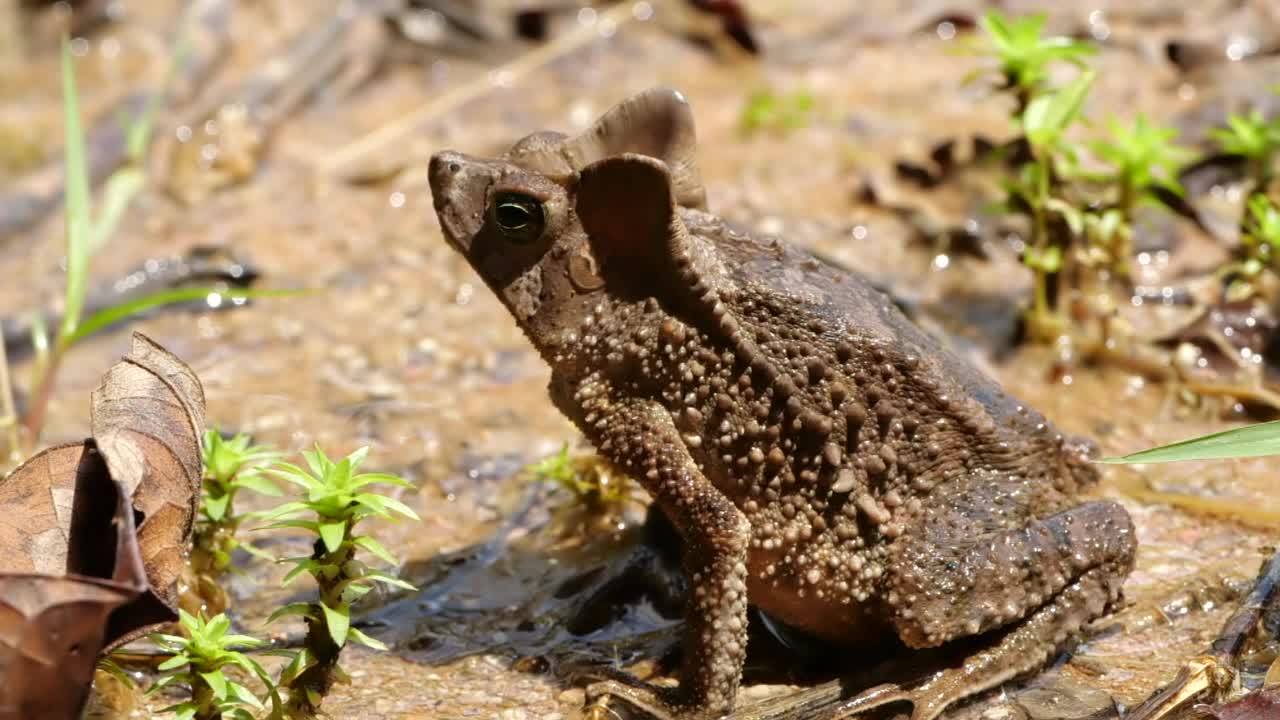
(962, 575)
(1020, 649)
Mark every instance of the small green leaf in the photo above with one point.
(358, 456)
(385, 478)
(317, 461)
(285, 509)
(309, 525)
(176, 661)
(299, 608)
(366, 640)
(217, 682)
(378, 501)
(300, 566)
(1048, 116)
(218, 626)
(355, 591)
(338, 621)
(297, 665)
(332, 534)
(256, 482)
(242, 694)
(375, 548)
(255, 551)
(216, 507)
(242, 641)
(1256, 440)
(188, 621)
(161, 682)
(387, 579)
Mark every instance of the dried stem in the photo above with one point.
(41, 396)
(1215, 671)
(8, 411)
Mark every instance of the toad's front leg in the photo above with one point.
(640, 437)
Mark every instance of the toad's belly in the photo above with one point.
(819, 610)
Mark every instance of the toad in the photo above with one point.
(820, 456)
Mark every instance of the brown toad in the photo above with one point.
(821, 457)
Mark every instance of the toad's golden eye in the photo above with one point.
(518, 216)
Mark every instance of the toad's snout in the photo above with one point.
(442, 172)
(458, 188)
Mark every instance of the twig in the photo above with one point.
(397, 129)
(1215, 671)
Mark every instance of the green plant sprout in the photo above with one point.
(1260, 243)
(1256, 140)
(1025, 55)
(1038, 189)
(201, 660)
(229, 467)
(1108, 239)
(337, 499)
(589, 478)
(1142, 157)
(780, 113)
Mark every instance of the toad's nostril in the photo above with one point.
(454, 167)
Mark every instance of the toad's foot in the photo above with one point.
(1020, 649)
(607, 699)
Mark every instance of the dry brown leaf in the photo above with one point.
(147, 419)
(77, 576)
(69, 565)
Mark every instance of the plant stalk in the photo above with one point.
(206, 703)
(8, 411)
(41, 396)
(320, 675)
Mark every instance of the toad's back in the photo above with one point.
(803, 312)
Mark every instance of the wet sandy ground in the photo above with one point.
(401, 347)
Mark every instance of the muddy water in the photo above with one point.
(399, 345)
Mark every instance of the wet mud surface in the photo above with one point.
(397, 344)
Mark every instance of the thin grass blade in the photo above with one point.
(1256, 440)
(116, 313)
(77, 203)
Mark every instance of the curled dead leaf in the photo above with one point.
(94, 536)
(147, 419)
(69, 566)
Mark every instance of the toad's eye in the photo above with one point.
(518, 216)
